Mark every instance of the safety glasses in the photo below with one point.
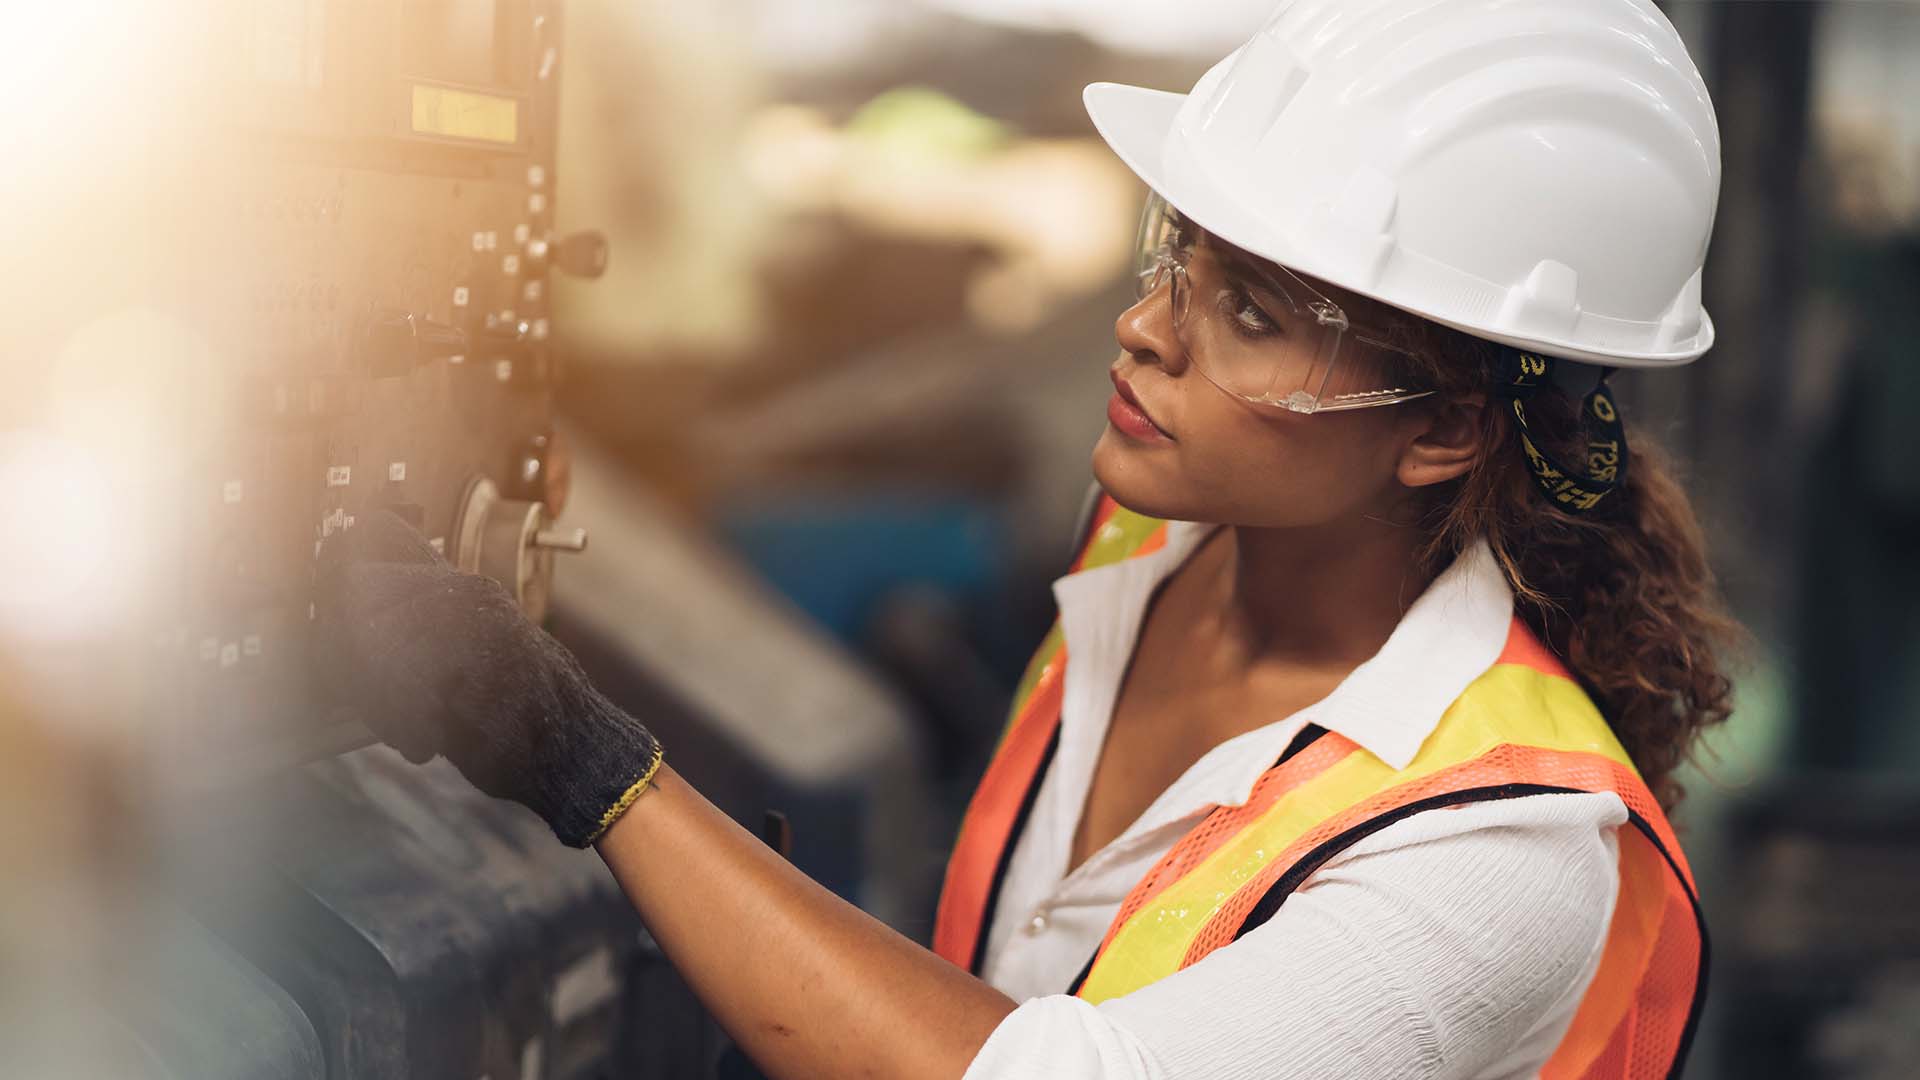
(1258, 331)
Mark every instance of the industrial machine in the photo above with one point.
(362, 243)
(305, 278)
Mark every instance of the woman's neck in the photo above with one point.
(1315, 596)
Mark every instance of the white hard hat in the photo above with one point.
(1541, 174)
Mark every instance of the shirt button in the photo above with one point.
(1038, 923)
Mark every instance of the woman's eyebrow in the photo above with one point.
(1244, 269)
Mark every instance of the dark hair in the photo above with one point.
(1623, 593)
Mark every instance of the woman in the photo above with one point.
(1374, 703)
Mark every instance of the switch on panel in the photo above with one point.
(399, 341)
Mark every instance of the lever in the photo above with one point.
(398, 341)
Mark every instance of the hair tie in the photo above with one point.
(1517, 377)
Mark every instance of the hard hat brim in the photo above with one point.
(1136, 123)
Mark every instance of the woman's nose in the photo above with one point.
(1146, 331)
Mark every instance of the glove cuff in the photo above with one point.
(594, 769)
(626, 799)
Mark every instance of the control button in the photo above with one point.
(582, 254)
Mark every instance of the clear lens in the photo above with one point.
(1257, 330)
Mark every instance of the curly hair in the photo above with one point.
(1623, 594)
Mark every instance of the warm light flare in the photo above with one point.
(71, 557)
(67, 62)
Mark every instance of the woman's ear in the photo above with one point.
(1447, 442)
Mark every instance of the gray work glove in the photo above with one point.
(437, 661)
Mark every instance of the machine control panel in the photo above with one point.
(358, 241)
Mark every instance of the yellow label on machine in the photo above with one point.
(463, 114)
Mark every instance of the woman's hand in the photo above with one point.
(437, 661)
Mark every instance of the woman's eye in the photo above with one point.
(1249, 317)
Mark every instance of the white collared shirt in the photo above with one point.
(1451, 944)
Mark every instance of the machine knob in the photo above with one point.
(511, 541)
(582, 254)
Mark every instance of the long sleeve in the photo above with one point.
(1454, 944)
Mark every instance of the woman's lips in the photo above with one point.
(1126, 415)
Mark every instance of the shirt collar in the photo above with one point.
(1450, 636)
(1388, 705)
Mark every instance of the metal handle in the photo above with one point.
(561, 539)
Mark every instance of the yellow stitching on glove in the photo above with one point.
(613, 812)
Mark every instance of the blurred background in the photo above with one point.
(801, 310)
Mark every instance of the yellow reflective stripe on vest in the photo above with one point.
(1123, 533)
(1509, 704)
(1043, 658)
(1114, 540)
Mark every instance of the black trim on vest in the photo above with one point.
(1006, 852)
(1081, 979)
(1312, 861)
(1307, 737)
(1278, 892)
(1699, 1002)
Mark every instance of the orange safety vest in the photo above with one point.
(1524, 727)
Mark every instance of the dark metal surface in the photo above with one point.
(425, 930)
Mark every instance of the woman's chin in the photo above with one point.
(1141, 478)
